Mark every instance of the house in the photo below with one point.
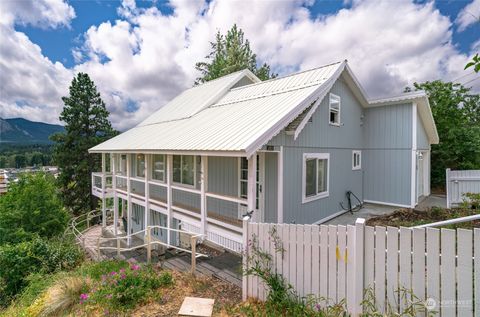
(288, 148)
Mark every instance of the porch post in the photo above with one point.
(252, 186)
(169, 195)
(115, 199)
(129, 201)
(104, 203)
(203, 190)
(147, 191)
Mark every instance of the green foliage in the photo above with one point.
(457, 116)
(471, 200)
(231, 53)
(475, 63)
(31, 208)
(35, 155)
(18, 261)
(86, 125)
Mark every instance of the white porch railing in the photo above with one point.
(101, 184)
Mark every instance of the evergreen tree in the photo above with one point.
(229, 54)
(86, 125)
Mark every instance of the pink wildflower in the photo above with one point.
(113, 273)
(135, 267)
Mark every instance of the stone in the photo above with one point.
(195, 306)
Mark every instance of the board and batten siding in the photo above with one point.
(318, 136)
(422, 138)
(387, 155)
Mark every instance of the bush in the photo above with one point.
(18, 261)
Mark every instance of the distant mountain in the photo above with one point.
(22, 131)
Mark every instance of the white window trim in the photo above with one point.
(321, 156)
(339, 109)
(152, 163)
(194, 173)
(359, 167)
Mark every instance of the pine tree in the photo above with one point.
(229, 54)
(86, 125)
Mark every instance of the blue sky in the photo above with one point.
(141, 54)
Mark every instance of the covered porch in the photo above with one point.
(204, 194)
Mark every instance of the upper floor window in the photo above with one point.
(356, 160)
(315, 176)
(334, 109)
(184, 169)
(139, 165)
(158, 167)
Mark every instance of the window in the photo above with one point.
(334, 109)
(356, 160)
(184, 169)
(122, 165)
(315, 176)
(158, 167)
(140, 165)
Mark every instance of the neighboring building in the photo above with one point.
(289, 148)
(3, 182)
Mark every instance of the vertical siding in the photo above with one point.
(422, 139)
(270, 187)
(223, 175)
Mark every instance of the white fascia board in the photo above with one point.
(174, 152)
(279, 125)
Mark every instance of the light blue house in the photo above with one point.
(289, 149)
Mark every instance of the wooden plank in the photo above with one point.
(433, 264)
(299, 259)
(307, 260)
(418, 268)
(447, 269)
(476, 252)
(369, 256)
(264, 248)
(324, 261)
(380, 264)
(278, 255)
(405, 265)
(464, 272)
(332, 263)
(286, 252)
(351, 268)
(254, 280)
(392, 268)
(293, 256)
(341, 267)
(315, 260)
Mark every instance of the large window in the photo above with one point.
(184, 169)
(334, 109)
(158, 167)
(356, 160)
(315, 176)
(244, 180)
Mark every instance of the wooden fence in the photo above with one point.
(340, 262)
(459, 183)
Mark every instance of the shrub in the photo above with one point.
(471, 200)
(18, 261)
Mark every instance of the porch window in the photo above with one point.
(184, 169)
(315, 176)
(356, 160)
(121, 164)
(158, 167)
(244, 180)
(334, 109)
(140, 165)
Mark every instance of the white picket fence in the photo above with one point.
(459, 183)
(340, 262)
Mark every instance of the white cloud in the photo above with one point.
(146, 57)
(469, 15)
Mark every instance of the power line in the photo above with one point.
(463, 76)
(471, 81)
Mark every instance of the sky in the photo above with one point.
(141, 54)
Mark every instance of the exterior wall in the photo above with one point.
(387, 155)
(319, 136)
(422, 138)
(270, 187)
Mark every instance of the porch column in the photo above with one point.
(169, 195)
(252, 187)
(104, 203)
(203, 190)
(129, 201)
(115, 199)
(280, 185)
(147, 191)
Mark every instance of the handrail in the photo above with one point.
(449, 222)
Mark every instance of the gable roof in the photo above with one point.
(217, 116)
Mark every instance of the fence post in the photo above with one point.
(358, 258)
(149, 245)
(244, 259)
(118, 246)
(98, 248)
(193, 241)
(447, 179)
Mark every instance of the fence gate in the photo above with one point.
(459, 183)
(340, 262)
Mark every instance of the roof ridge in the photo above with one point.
(285, 76)
(222, 77)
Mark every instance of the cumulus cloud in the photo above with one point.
(146, 57)
(469, 15)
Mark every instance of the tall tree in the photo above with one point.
(231, 53)
(86, 125)
(457, 116)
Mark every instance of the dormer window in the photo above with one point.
(334, 110)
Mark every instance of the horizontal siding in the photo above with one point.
(387, 175)
(389, 127)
